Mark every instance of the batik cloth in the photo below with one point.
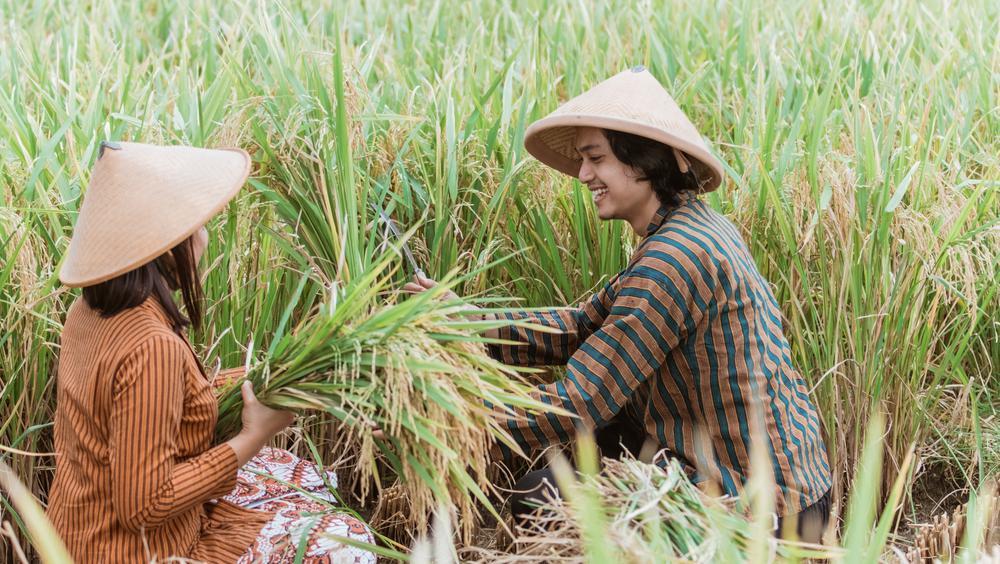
(305, 519)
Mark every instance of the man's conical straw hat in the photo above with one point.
(142, 201)
(632, 101)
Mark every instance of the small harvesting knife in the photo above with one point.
(405, 246)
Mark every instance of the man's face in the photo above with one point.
(616, 192)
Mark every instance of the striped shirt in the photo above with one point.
(689, 339)
(135, 468)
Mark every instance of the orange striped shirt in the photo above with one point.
(135, 467)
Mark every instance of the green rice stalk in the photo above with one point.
(409, 369)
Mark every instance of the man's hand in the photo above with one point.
(422, 284)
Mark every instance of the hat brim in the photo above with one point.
(75, 271)
(550, 140)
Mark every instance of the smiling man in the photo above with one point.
(682, 350)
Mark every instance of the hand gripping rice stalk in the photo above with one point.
(414, 369)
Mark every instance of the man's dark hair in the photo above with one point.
(654, 162)
(176, 269)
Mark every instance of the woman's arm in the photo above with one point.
(260, 423)
(149, 484)
(227, 376)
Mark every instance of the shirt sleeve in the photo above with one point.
(566, 329)
(149, 483)
(655, 305)
(534, 347)
(226, 377)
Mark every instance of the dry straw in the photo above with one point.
(647, 513)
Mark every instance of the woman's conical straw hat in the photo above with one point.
(142, 201)
(632, 101)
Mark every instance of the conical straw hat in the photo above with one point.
(142, 201)
(632, 101)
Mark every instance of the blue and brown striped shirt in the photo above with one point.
(689, 337)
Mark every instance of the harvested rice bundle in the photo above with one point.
(414, 369)
(644, 513)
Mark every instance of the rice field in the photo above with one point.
(862, 148)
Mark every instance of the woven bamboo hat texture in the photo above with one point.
(142, 201)
(632, 101)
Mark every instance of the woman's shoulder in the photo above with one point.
(124, 332)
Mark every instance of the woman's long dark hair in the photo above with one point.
(654, 162)
(176, 269)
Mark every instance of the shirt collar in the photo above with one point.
(664, 210)
(154, 308)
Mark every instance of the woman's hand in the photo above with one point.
(260, 420)
(260, 425)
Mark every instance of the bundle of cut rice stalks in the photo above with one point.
(636, 512)
(415, 369)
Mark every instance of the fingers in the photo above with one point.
(419, 284)
(246, 390)
(412, 288)
(377, 431)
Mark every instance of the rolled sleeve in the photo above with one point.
(648, 315)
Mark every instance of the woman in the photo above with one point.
(137, 478)
(683, 349)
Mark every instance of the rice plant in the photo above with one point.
(413, 370)
(861, 141)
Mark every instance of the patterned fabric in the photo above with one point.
(689, 338)
(278, 482)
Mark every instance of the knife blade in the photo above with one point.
(391, 226)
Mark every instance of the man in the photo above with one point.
(683, 348)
